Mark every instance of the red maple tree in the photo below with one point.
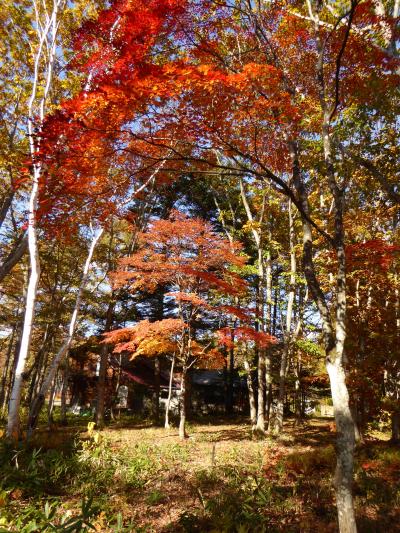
(196, 266)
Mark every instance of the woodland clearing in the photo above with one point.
(135, 477)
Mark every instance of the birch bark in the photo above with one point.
(59, 357)
(47, 26)
(263, 357)
(278, 426)
(168, 406)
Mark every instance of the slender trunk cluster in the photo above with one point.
(252, 397)
(62, 352)
(182, 405)
(47, 34)
(264, 276)
(102, 379)
(168, 404)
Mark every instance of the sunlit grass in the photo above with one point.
(146, 479)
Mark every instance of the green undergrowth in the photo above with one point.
(47, 489)
(146, 480)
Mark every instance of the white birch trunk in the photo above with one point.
(58, 359)
(47, 39)
(182, 420)
(288, 327)
(167, 407)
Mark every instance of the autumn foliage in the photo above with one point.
(92, 159)
(186, 255)
(195, 265)
(277, 122)
(373, 338)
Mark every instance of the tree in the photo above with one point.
(373, 331)
(69, 168)
(279, 99)
(189, 258)
(37, 43)
(47, 25)
(269, 97)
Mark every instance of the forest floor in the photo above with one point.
(144, 479)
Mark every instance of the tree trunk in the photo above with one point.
(64, 391)
(269, 404)
(50, 406)
(358, 437)
(252, 399)
(297, 401)
(268, 388)
(18, 334)
(13, 421)
(59, 357)
(262, 356)
(182, 421)
(47, 33)
(334, 335)
(13, 367)
(16, 254)
(395, 416)
(299, 410)
(156, 393)
(167, 407)
(270, 327)
(395, 427)
(105, 349)
(158, 315)
(102, 380)
(303, 405)
(343, 480)
(231, 370)
(278, 422)
(6, 368)
(6, 201)
(260, 425)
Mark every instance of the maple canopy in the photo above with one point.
(163, 337)
(186, 255)
(198, 85)
(93, 163)
(147, 338)
(196, 267)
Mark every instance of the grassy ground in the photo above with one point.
(141, 478)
